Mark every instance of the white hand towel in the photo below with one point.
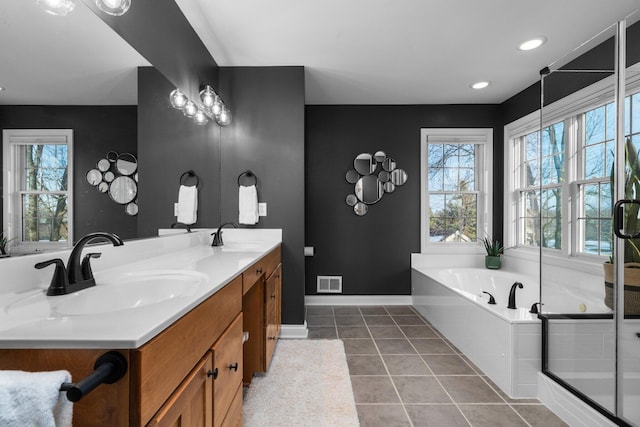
(34, 399)
(188, 204)
(248, 205)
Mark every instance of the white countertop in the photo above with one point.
(30, 319)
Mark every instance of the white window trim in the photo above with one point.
(484, 174)
(565, 109)
(10, 206)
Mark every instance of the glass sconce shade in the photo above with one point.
(208, 97)
(217, 106)
(178, 99)
(190, 109)
(57, 7)
(200, 118)
(114, 7)
(224, 118)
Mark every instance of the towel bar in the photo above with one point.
(190, 174)
(248, 174)
(108, 369)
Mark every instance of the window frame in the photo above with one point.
(569, 110)
(482, 137)
(12, 206)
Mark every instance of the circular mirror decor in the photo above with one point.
(351, 200)
(126, 164)
(135, 176)
(131, 209)
(398, 177)
(103, 187)
(94, 177)
(369, 190)
(364, 164)
(389, 164)
(352, 176)
(109, 176)
(360, 209)
(112, 156)
(384, 176)
(123, 190)
(103, 165)
(389, 187)
(380, 156)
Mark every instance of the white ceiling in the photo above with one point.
(401, 51)
(72, 60)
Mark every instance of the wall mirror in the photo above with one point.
(87, 65)
(126, 164)
(123, 190)
(369, 187)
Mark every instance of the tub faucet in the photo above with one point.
(512, 295)
(492, 300)
(78, 274)
(217, 236)
(534, 308)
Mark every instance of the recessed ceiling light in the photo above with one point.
(480, 85)
(533, 43)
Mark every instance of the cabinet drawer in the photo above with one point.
(227, 367)
(263, 266)
(161, 365)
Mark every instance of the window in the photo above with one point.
(38, 195)
(456, 170)
(559, 184)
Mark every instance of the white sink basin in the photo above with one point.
(126, 292)
(243, 247)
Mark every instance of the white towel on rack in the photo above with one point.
(188, 204)
(34, 399)
(248, 205)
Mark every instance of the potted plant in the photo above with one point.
(4, 245)
(494, 250)
(631, 246)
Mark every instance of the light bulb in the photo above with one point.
(178, 99)
(114, 7)
(217, 106)
(224, 118)
(190, 109)
(57, 7)
(207, 96)
(200, 118)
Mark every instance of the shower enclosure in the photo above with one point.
(583, 167)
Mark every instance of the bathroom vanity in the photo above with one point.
(187, 354)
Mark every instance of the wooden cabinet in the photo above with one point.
(227, 372)
(261, 304)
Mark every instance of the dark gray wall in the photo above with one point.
(96, 131)
(372, 252)
(267, 137)
(168, 145)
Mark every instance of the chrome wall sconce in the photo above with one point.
(210, 106)
(63, 7)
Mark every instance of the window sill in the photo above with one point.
(454, 248)
(584, 264)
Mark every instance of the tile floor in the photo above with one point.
(404, 373)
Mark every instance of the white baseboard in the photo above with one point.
(572, 410)
(358, 300)
(294, 331)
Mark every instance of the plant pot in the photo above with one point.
(492, 262)
(631, 287)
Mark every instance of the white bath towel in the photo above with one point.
(188, 204)
(34, 399)
(248, 205)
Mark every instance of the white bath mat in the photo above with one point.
(307, 385)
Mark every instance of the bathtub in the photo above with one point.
(504, 343)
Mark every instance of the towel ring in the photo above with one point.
(248, 174)
(189, 174)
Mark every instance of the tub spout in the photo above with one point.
(512, 295)
(492, 300)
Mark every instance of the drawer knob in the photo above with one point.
(213, 373)
(273, 296)
(259, 271)
(272, 338)
(234, 367)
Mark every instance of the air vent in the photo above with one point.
(329, 284)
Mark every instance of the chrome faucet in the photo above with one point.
(217, 235)
(78, 274)
(512, 295)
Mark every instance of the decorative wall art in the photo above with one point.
(372, 176)
(116, 174)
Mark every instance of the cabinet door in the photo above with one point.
(190, 404)
(227, 368)
(273, 291)
(234, 416)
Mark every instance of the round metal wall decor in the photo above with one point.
(116, 175)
